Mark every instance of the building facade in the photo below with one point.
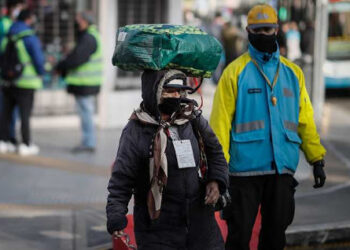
(120, 92)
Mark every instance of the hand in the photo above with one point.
(56, 72)
(319, 174)
(212, 193)
(118, 233)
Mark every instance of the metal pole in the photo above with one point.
(108, 16)
(320, 48)
(175, 12)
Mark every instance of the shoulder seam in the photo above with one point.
(295, 68)
(240, 63)
(297, 71)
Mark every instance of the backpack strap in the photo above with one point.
(20, 35)
(203, 164)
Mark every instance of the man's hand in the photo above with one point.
(319, 174)
(212, 193)
(56, 72)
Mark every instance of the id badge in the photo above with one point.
(184, 154)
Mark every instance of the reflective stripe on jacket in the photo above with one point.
(253, 132)
(29, 78)
(5, 24)
(89, 73)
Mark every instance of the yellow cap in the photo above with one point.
(262, 15)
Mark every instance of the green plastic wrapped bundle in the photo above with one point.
(164, 46)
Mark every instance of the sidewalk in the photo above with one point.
(322, 218)
(56, 200)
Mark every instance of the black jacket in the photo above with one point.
(86, 45)
(130, 172)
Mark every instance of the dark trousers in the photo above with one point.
(23, 98)
(13, 120)
(275, 194)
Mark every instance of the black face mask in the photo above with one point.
(263, 43)
(169, 105)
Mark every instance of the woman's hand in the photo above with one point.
(118, 233)
(212, 193)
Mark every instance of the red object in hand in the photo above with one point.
(127, 240)
(122, 243)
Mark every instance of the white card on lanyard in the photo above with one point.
(184, 153)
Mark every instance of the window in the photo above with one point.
(55, 29)
(140, 11)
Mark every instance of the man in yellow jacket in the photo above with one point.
(263, 116)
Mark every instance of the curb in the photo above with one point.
(319, 234)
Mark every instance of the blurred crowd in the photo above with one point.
(23, 68)
(295, 37)
(228, 26)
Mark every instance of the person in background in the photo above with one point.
(307, 41)
(21, 92)
(216, 30)
(293, 42)
(82, 71)
(262, 116)
(281, 39)
(232, 42)
(13, 8)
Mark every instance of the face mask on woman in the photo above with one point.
(169, 105)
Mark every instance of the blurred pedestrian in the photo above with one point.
(231, 41)
(161, 159)
(282, 40)
(262, 116)
(13, 8)
(21, 91)
(216, 30)
(293, 42)
(307, 39)
(216, 25)
(82, 70)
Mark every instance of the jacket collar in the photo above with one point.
(264, 57)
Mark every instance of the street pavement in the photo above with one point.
(56, 200)
(322, 217)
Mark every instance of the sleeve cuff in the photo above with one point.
(116, 224)
(221, 184)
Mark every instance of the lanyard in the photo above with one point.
(266, 78)
(272, 85)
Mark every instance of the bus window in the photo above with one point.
(336, 68)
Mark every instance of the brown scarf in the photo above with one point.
(158, 164)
